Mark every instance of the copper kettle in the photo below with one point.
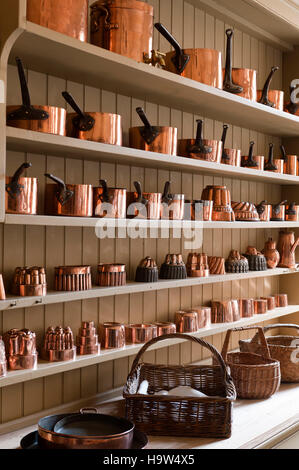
(287, 246)
(21, 193)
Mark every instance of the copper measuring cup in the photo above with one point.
(291, 166)
(253, 162)
(264, 211)
(271, 98)
(21, 193)
(150, 138)
(109, 202)
(199, 148)
(202, 65)
(222, 311)
(112, 335)
(69, 200)
(277, 165)
(229, 156)
(97, 127)
(186, 322)
(172, 204)
(48, 119)
(140, 333)
(143, 205)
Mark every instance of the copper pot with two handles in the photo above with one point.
(21, 193)
(109, 202)
(150, 138)
(69, 200)
(48, 119)
(272, 98)
(97, 127)
(143, 205)
(199, 148)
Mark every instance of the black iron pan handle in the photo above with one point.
(199, 146)
(180, 59)
(292, 107)
(265, 94)
(250, 163)
(148, 132)
(140, 199)
(167, 197)
(228, 84)
(270, 165)
(14, 187)
(63, 194)
(83, 122)
(225, 157)
(105, 196)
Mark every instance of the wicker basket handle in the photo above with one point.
(276, 325)
(260, 334)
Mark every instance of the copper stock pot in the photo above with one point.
(144, 205)
(21, 193)
(271, 98)
(109, 202)
(199, 148)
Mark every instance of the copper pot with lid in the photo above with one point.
(97, 127)
(69, 200)
(271, 98)
(172, 204)
(109, 202)
(229, 156)
(21, 193)
(277, 165)
(48, 119)
(253, 162)
(290, 163)
(202, 65)
(143, 205)
(199, 148)
(161, 139)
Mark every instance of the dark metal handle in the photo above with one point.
(143, 117)
(283, 152)
(265, 94)
(148, 132)
(228, 84)
(277, 207)
(261, 207)
(270, 166)
(14, 187)
(199, 147)
(292, 107)
(167, 197)
(84, 122)
(250, 162)
(105, 196)
(140, 199)
(20, 171)
(225, 157)
(23, 83)
(70, 100)
(63, 194)
(181, 59)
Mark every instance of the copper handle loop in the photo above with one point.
(96, 12)
(259, 334)
(88, 411)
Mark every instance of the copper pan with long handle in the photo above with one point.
(229, 156)
(199, 148)
(271, 98)
(291, 166)
(21, 193)
(109, 202)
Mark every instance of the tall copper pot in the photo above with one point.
(21, 193)
(199, 148)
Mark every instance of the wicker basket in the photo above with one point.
(284, 349)
(256, 377)
(181, 416)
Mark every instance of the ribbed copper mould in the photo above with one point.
(140, 333)
(58, 345)
(236, 263)
(186, 322)
(21, 350)
(29, 282)
(222, 311)
(73, 278)
(199, 148)
(222, 209)
(173, 267)
(216, 265)
(111, 275)
(147, 271)
(165, 328)
(271, 302)
(204, 316)
(197, 265)
(245, 212)
(112, 335)
(281, 300)
(87, 341)
(246, 307)
(21, 193)
(260, 306)
(3, 361)
(109, 202)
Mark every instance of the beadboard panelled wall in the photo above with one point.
(51, 246)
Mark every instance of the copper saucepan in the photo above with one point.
(199, 148)
(159, 139)
(253, 162)
(69, 200)
(238, 81)
(109, 202)
(202, 65)
(271, 98)
(278, 212)
(173, 205)
(229, 156)
(143, 205)
(21, 193)
(97, 127)
(48, 119)
(68, 17)
(277, 165)
(290, 163)
(292, 212)
(264, 211)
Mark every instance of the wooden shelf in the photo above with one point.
(36, 142)
(45, 369)
(50, 52)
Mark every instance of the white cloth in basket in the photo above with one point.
(176, 392)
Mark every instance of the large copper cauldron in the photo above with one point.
(97, 127)
(271, 98)
(199, 148)
(73, 200)
(21, 193)
(48, 119)
(123, 26)
(67, 17)
(202, 65)
(109, 202)
(153, 138)
(143, 205)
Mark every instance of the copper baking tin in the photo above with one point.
(143, 205)
(197, 265)
(216, 265)
(186, 322)
(246, 307)
(291, 166)
(173, 205)
(3, 362)
(21, 193)
(281, 300)
(112, 335)
(271, 301)
(140, 333)
(20, 348)
(111, 275)
(58, 345)
(204, 316)
(165, 328)
(109, 202)
(253, 162)
(123, 26)
(73, 278)
(29, 282)
(222, 209)
(272, 98)
(199, 148)
(87, 340)
(260, 306)
(264, 210)
(292, 212)
(69, 17)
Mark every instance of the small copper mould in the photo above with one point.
(197, 265)
(204, 316)
(186, 322)
(87, 341)
(165, 328)
(222, 311)
(246, 307)
(58, 345)
(245, 212)
(256, 260)
(173, 268)
(112, 335)
(111, 275)
(260, 307)
(21, 350)
(140, 333)
(216, 265)
(147, 271)
(3, 362)
(236, 263)
(281, 300)
(271, 301)
(29, 282)
(73, 278)
(198, 210)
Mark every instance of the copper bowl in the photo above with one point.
(186, 322)
(21, 193)
(281, 300)
(271, 301)
(140, 333)
(260, 306)
(165, 328)
(112, 335)
(109, 202)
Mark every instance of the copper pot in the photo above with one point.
(68, 17)
(48, 119)
(173, 205)
(276, 166)
(72, 200)
(271, 301)
(153, 138)
(123, 26)
(291, 166)
(292, 212)
(140, 334)
(222, 209)
(229, 156)
(165, 328)
(271, 98)
(112, 335)
(97, 127)
(199, 148)
(186, 322)
(202, 65)
(21, 193)
(264, 211)
(144, 205)
(111, 275)
(278, 212)
(292, 106)
(281, 300)
(109, 202)
(287, 246)
(253, 162)
(238, 81)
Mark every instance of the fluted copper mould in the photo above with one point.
(202, 65)
(186, 322)
(165, 328)
(281, 300)
(246, 307)
(160, 139)
(48, 119)
(222, 209)
(271, 98)
(147, 271)
(143, 205)
(2, 289)
(236, 263)
(292, 107)
(140, 333)
(112, 335)
(238, 81)
(292, 212)
(245, 212)
(271, 254)
(94, 126)
(277, 165)
(20, 348)
(111, 275)
(225, 311)
(68, 200)
(256, 162)
(58, 345)
(257, 261)
(173, 267)
(73, 278)
(197, 265)
(278, 212)
(264, 211)
(124, 27)
(229, 156)
(173, 205)
(271, 302)
(109, 202)
(29, 282)
(260, 306)
(21, 193)
(69, 17)
(87, 341)
(199, 148)
(204, 316)
(291, 166)
(286, 246)
(216, 265)
(3, 361)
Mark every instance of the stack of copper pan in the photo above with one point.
(20, 348)
(29, 282)
(112, 335)
(111, 275)
(73, 278)
(3, 362)
(216, 265)
(197, 265)
(58, 345)
(87, 340)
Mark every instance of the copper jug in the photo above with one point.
(271, 98)
(202, 65)
(287, 246)
(109, 202)
(276, 166)
(199, 148)
(229, 156)
(271, 254)
(290, 163)
(21, 193)
(143, 205)
(123, 26)
(253, 162)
